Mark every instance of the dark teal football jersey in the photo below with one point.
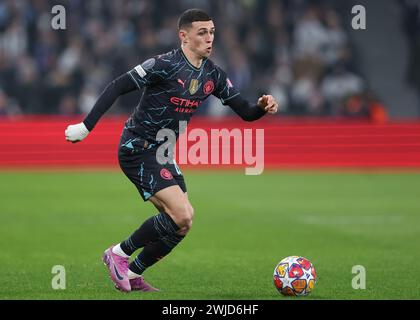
(173, 91)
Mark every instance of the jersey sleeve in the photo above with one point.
(150, 72)
(225, 90)
(116, 88)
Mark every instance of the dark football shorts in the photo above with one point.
(137, 158)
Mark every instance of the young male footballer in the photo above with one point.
(174, 85)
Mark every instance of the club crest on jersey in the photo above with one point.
(208, 87)
(193, 86)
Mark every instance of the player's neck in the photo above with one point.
(192, 58)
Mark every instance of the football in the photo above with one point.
(294, 276)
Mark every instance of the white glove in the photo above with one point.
(77, 132)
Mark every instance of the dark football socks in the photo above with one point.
(157, 235)
(159, 227)
(153, 252)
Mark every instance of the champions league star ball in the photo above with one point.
(294, 276)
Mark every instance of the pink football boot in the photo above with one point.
(118, 268)
(139, 284)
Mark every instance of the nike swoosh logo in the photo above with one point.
(118, 275)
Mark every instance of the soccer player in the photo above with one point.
(174, 85)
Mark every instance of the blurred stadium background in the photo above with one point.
(349, 99)
(304, 52)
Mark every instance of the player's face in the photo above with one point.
(199, 38)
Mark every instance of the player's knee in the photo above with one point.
(189, 221)
(182, 215)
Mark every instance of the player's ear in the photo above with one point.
(183, 36)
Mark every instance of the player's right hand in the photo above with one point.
(77, 132)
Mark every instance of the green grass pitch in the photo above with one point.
(244, 225)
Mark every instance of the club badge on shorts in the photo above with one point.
(166, 174)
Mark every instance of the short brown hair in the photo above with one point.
(191, 15)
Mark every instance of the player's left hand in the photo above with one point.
(268, 104)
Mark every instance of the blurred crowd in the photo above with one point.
(411, 27)
(297, 50)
